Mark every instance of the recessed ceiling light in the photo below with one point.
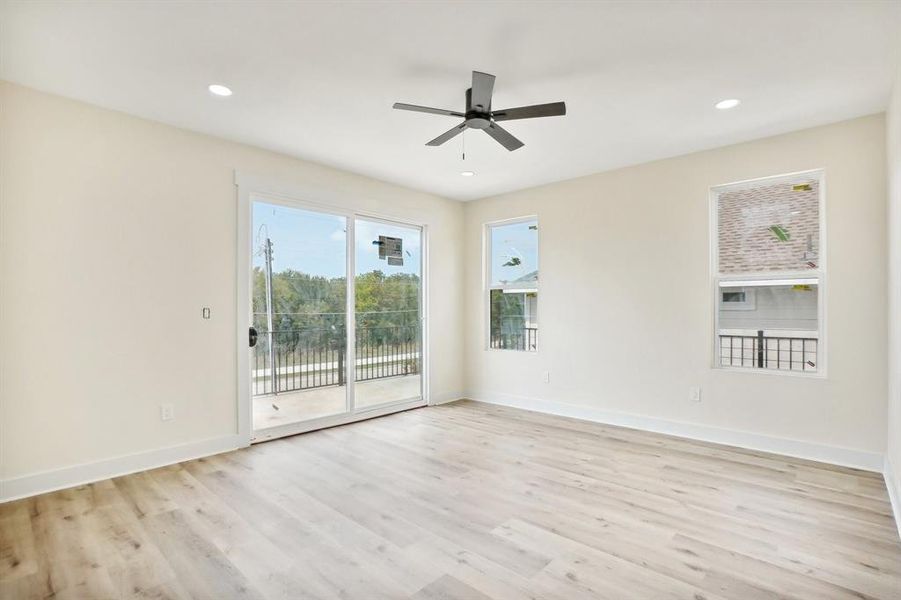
(467, 173)
(220, 90)
(728, 103)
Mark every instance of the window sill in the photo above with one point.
(776, 372)
(510, 350)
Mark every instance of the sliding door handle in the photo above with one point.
(253, 336)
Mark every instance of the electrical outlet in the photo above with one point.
(206, 312)
(694, 394)
(167, 412)
(546, 376)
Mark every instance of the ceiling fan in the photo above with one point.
(479, 115)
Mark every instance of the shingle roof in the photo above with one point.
(769, 228)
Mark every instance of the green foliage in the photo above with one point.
(507, 313)
(310, 309)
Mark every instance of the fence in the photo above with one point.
(312, 358)
(769, 352)
(523, 339)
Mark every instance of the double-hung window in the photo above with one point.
(769, 273)
(512, 274)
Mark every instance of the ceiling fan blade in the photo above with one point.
(554, 109)
(482, 89)
(447, 135)
(503, 136)
(427, 109)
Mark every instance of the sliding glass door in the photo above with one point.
(327, 349)
(388, 292)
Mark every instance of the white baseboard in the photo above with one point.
(846, 457)
(66, 477)
(894, 492)
(57, 479)
(445, 397)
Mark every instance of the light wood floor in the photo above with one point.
(465, 501)
(292, 407)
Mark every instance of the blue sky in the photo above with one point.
(315, 243)
(509, 242)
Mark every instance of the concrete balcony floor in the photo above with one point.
(292, 407)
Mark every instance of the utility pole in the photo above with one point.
(267, 251)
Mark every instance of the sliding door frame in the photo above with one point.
(250, 190)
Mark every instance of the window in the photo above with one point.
(513, 285)
(769, 274)
(738, 299)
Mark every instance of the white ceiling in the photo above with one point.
(317, 80)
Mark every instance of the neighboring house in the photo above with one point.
(526, 287)
(791, 308)
(517, 321)
(523, 294)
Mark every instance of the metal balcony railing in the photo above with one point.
(784, 353)
(314, 358)
(525, 338)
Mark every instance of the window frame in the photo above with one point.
(486, 279)
(820, 273)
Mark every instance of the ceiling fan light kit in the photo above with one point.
(478, 113)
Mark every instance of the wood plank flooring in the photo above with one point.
(462, 501)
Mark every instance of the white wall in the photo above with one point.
(626, 304)
(114, 232)
(893, 149)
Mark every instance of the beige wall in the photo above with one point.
(893, 147)
(626, 304)
(114, 232)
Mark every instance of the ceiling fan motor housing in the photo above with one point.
(477, 117)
